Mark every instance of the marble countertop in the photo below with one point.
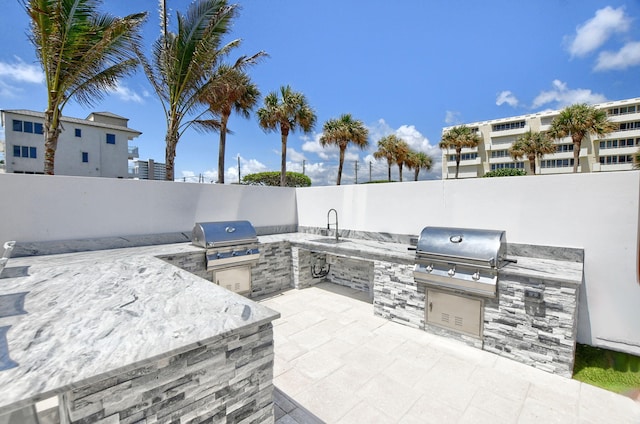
(91, 315)
(566, 272)
(95, 314)
(561, 271)
(357, 248)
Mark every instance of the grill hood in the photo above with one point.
(463, 246)
(223, 234)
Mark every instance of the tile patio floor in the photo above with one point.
(336, 362)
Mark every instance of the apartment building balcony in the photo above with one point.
(511, 132)
(133, 152)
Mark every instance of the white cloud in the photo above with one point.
(124, 93)
(20, 71)
(452, 118)
(247, 167)
(294, 155)
(506, 97)
(627, 56)
(597, 30)
(560, 96)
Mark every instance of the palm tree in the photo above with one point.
(458, 138)
(578, 121)
(288, 111)
(183, 64)
(418, 161)
(636, 160)
(401, 154)
(341, 132)
(83, 53)
(231, 90)
(387, 150)
(532, 145)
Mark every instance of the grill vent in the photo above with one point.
(445, 318)
(458, 321)
(458, 313)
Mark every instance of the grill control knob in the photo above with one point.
(249, 252)
(476, 276)
(452, 272)
(429, 268)
(234, 253)
(218, 255)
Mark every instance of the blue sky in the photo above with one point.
(409, 67)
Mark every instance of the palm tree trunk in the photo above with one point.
(458, 157)
(389, 171)
(171, 141)
(577, 141)
(340, 166)
(532, 164)
(400, 171)
(51, 133)
(221, 148)
(417, 171)
(283, 165)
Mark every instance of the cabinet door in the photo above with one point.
(456, 313)
(236, 279)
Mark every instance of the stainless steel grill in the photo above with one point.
(227, 243)
(461, 259)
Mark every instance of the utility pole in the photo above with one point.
(356, 172)
(370, 163)
(238, 169)
(303, 163)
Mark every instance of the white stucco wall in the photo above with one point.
(596, 212)
(46, 208)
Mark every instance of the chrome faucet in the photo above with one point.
(335, 223)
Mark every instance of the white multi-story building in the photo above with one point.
(94, 147)
(147, 170)
(613, 152)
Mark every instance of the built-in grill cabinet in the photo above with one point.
(231, 249)
(459, 267)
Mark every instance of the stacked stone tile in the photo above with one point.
(228, 379)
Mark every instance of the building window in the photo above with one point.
(85, 157)
(111, 139)
(557, 163)
(624, 142)
(463, 156)
(624, 110)
(612, 160)
(27, 126)
(508, 126)
(514, 165)
(564, 148)
(79, 132)
(499, 153)
(628, 126)
(25, 152)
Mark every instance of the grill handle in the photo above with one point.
(458, 260)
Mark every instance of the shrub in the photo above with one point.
(506, 172)
(272, 178)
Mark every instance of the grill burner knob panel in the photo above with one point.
(452, 271)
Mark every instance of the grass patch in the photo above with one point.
(615, 371)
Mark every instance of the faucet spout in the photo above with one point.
(329, 223)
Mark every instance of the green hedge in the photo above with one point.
(506, 172)
(272, 178)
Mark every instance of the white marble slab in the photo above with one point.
(567, 272)
(96, 314)
(356, 248)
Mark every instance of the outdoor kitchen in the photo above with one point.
(169, 322)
